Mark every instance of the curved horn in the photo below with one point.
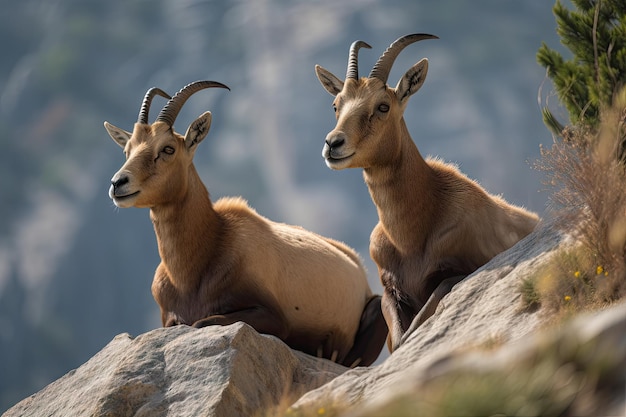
(147, 100)
(353, 61)
(383, 65)
(172, 108)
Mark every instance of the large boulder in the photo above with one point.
(182, 371)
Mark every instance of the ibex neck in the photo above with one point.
(402, 193)
(187, 231)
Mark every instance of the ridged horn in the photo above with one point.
(382, 68)
(353, 60)
(147, 101)
(173, 106)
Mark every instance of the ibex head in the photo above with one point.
(368, 111)
(157, 158)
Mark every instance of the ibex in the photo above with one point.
(222, 263)
(435, 226)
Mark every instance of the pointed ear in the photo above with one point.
(412, 80)
(330, 83)
(198, 130)
(120, 136)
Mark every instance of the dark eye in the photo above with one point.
(168, 150)
(383, 108)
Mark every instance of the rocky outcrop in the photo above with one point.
(484, 309)
(182, 371)
(576, 370)
(479, 342)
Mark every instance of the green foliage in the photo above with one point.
(531, 298)
(595, 33)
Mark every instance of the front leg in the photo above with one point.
(398, 308)
(168, 319)
(370, 336)
(398, 316)
(262, 319)
(431, 305)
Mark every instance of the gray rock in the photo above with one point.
(578, 369)
(182, 371)
(483, 309)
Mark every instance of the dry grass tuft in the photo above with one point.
(589, 200)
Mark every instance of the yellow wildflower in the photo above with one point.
(599, 270)
(567, 298)
(577, 274)
(321, 411)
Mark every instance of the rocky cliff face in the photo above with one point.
(479, 339)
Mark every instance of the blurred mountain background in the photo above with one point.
(75, 271)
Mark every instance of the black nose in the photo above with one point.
(336, 142)
(117, 182)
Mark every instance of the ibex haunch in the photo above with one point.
(436, 226)
(222, 263)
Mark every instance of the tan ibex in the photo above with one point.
(222, 263)
(436, 226)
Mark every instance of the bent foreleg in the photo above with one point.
(431, 305)
(262, 319)
(370, 336)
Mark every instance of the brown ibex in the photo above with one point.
(222, 263)
(435, 226)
